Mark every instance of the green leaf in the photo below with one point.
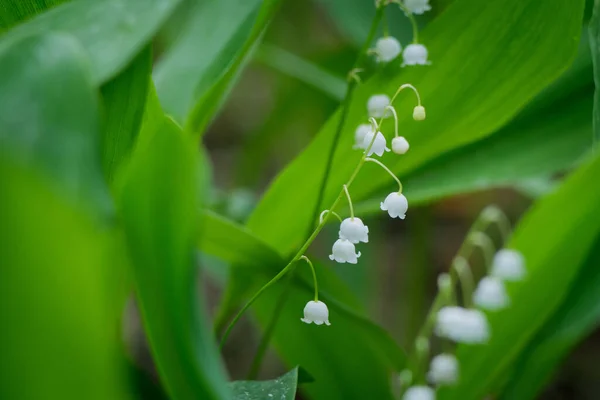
(283, 388)
(594, 34)
(555, 238)
(460, 90)
(58, 338)
(124, 100)
(49, 114)
(112, 32)
(193, 76)
(159, 202)
(13, 12)
(576, 318)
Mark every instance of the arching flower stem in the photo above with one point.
(412, 19)
(326, 213)
(349, 201)
(387, 170)
(314, 274)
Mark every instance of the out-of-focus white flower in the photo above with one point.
(396, 205)
(387, 48)
(353, 230)
(317, 312)
(400, 145)
(343, 251)
(359, 135)
(415, 54)
(462, 325)
(443, 370)
(417, 6)
(379, 145)
(509, 265)
(491, 294)
(376, 106)
(419, 113)
(419, 393)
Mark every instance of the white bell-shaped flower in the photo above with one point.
(415, 54)
(387, 48)
(353, 230)
(376, 106)
(417, 6)
(359, 135)
(419, 393)
(379, 145)
(400, 145)
(317, 312)
(491, 294)
(343, 251)
(419, 113)
(462, 325)
(396, 205)
(509, 265)
(443, 370)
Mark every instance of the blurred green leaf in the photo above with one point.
(124, 101)
(111, 32)
(283, 388)
(49, 114)
(159, 204)
(594, 34)
(460, 90)
(194, 75)
(576, 318)
(12, 12)
(555, 238)
(58, 338)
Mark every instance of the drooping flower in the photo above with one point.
(376, 106)
(317, 312)
(419, 113)
(415, 54)
(359, 135)
(417, 6)
(419, 393)
(387, 48)
(509, 265)
(343, 251)
(379, 145)
(491, 294)
(443, 370)
(462, 325)
(396, 205)
(354, 230)
(400, 145)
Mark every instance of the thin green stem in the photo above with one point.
(327, 215)
(314, 274)
(465, 277)
(388, 171)
(495, 215)
(349, 201)
(393, 110)
(412, 19)
(406, 86)
(482, 241)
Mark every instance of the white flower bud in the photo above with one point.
(387, 48)
(415, 54)
(379, 145)
(491, 294)
(509, 265)
(317, 312)
(376, 106)
(359, 135)
(353, 230)
(419, 393)
(343, 251)
(417, 6)
(396, 205)
(462, 325)
(419, 113)
(443, 370)
(400, 145)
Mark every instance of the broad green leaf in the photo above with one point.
(283, 388)
(13, 12)
(49, 114)
(159, 203)
(594, 34)
(124, 102)
(194, 75)
(555, 238)
(111, 32)
(460, 90)
(58, 338)
(576, 318)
